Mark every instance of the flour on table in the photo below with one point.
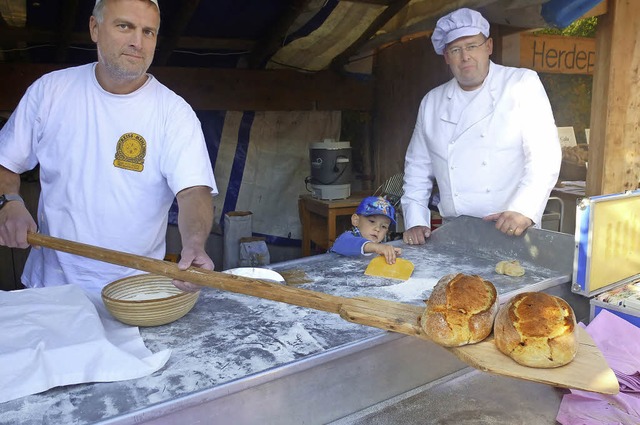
(415, 288)
(149, 296)
(298, 340)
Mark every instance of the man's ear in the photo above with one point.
(355, 219)
(93, 29)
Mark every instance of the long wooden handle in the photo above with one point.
(383, 314)
(224, 281)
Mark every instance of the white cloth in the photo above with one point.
(499, 153)
(56, 336)
(459, 23)
(76, 130)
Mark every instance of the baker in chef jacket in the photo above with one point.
(487, 137)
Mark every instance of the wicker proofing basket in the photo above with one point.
(147, 300)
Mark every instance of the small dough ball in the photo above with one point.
(510, 268)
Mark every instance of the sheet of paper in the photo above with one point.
(567, 136)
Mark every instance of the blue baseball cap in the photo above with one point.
(374, 205)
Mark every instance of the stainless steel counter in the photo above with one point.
(243, 360)
(468, 398)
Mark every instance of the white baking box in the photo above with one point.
(606, 266)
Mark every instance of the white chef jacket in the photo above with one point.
(500, 152)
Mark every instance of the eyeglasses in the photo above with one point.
(457, 51)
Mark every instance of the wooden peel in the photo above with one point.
(589, 370)
(401, 269)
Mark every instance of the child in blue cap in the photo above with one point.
(371, 223)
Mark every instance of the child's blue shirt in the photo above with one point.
(350, 243)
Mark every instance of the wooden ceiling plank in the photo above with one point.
(169, 43)
(340, 60)
(226, 89)
(271, 43)
(11, 35)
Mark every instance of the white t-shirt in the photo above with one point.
(110, 166)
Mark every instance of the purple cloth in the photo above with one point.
(586, 408)
(619, 342)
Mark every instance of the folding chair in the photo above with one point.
(553, 213)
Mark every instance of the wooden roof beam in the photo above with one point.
(391, 11)
(12, 35)
(271, 43)
(170, 42)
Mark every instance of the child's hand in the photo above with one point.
(389, 252)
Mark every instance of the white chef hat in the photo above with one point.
(459, 23)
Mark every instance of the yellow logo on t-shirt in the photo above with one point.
(130, 152)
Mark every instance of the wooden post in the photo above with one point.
(614, 146)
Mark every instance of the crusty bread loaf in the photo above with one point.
(460, 310)
(536, 329)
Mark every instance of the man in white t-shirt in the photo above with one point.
(115, 147)
(487, 138)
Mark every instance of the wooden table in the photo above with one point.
(319, 219)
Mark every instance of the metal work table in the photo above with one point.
(466, 398)
(242, 360)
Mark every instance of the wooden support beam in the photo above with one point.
(12, 35)
(614, 145)
(270, 44)
(227, 89)
(178, 25)
(340, 60)
(3, 23)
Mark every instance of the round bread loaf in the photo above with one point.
(536, 329)
(460, 310)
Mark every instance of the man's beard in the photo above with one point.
(118, 72)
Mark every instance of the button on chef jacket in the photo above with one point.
(498, 151)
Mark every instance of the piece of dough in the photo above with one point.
(510, 268)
